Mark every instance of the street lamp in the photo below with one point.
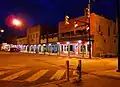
(88, 17)
(16, 22)
(2, 31)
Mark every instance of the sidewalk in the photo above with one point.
(108, 73)
(109, 78)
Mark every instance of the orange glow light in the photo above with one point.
(16, 22)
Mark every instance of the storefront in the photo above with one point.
(75, 48)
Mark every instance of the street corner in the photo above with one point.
(49, 85)
(67, 84)
(108, 73)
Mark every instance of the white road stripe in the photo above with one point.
(3, 72)
(58, 75)
(16, 75)
(36, 76)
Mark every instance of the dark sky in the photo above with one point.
(50, 12)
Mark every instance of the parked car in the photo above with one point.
(14, 50)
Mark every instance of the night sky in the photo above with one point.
(50, 12)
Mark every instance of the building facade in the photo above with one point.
(21, 43)
(75, 36)
(33, 35)
(22, 40)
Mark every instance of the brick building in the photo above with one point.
(22, 40)
(72, 38)
(103, 36)
(33, 35)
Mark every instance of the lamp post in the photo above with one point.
(88, 17)
(1, 31)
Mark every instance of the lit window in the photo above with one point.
(83, 48)
(33, 35)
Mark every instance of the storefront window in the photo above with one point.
(83, 48)
(45, 49)
(88, 48)
(71, 47)
(65, 48)
(62, 48)
(54, 49)
(39, 48)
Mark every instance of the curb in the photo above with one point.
(72, 80)
(55, 83)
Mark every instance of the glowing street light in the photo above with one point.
(16, 22)
(1, 31)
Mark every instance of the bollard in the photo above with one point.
(67, 70)
(79, 70)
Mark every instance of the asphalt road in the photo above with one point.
(24, 70)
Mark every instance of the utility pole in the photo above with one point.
(117, 28)
(88, 16)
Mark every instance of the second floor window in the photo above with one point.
(108, 31)
(67, 34)
(72, 33)
(36, 34)
(33, 35)
(62, 34)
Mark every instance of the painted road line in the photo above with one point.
(3, 72)
(13, 66)
(16, 75)
(36, 76)
(58, 75)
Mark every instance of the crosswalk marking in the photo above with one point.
(58, 75)
(36, 75)
(3, 72)
(16, 75)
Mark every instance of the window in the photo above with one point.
(67, 34)
(108, 31)
(33, 35)
(67, 48)
(104, 41)
(83, 48)
(62, 47)
(114, 31)
(52, 36)
(79, 32)
(88, 48)
(36, 34)
(62, 34)
(71, 47)
(114, 41)
(43, 37)
(72, 33)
